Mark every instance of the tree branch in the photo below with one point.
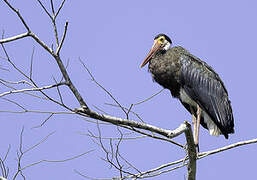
(54, 55)
(132, 123)
(32, 89)
(13, 38)
(18, 14)
(241, 143)
(63, 37)
(191, 151)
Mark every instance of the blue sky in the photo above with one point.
(112, 38)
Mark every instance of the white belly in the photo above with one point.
(213, 128)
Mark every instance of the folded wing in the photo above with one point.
(204, 86)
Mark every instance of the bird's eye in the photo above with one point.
(162, 39)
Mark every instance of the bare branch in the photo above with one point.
(6, 154)
(44, 8)
(128, 162)
(19, 15)
(19, 156)
(56, 57)
(63, 37)
(37, 144)
(52, 6)
(128, 110)
(68, 82)
(32, 89)
(56, 161)
(17, 104)
(14, 38)
(4, 169)
(156, 171)
(191, 151)
(9, 60)
(200, 156)
(87, 177)
(44, 121)
(147, 99)
(111, 156)
(93, 79)
(59, 92)
(117, 153)
(154, 136)
(18, 82)
(42, 44)
(31, 63)
(241, 143)
(132, 123)
(22, 152)
(33, 111)
(90, 134)
(54, 24)
(59, 9)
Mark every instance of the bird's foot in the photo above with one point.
(197, 148)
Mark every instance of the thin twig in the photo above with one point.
(19, 15)
(37, 144)
(128, 110)
(63, 38)
(147, 99)
(31, 63)
(241, 143)
(93, 79)
(155, 137)
(154, 170)
(59, 92)
(17, 104)
(30, 94)
(4, 169)
(56, 161)
(87, 177)
(113, 138)
(32, 89)
(17, 82)
(43, 121)
(52, 6)
(44, 8)
(117, 153)
(61, 6)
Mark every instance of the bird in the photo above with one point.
(197, 86)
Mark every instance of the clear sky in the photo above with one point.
(112, 38)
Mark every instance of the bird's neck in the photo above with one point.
(163, 50)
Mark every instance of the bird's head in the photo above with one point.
(161, 43)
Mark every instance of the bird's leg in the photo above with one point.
(198, 119)
(194, 122)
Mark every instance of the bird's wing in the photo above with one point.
(204, 86)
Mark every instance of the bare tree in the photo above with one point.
(110, 146)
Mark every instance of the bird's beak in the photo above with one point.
(153, 50)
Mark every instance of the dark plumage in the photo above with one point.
(193, 82)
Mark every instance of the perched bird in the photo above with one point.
(197, 86)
